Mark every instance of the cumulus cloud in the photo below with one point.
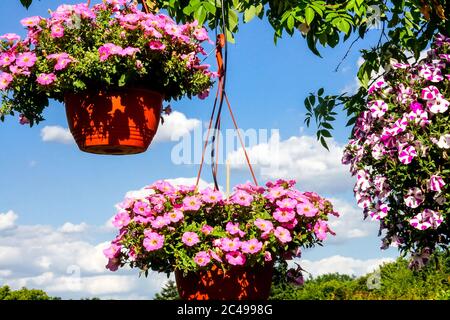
(350, 223)
(66, 262)
(343, 265)
(73, 228)
(175, 126)
(299, 157)
(7, 220)
(56, 134)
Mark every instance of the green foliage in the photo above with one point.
(23, 294)
(168, 292)
(396, 282)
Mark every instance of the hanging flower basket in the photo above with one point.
(115, 122)
(218, 248)
(111, 64)
(399, 153)
(237, 283)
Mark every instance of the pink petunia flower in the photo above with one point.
(251, 246)
(45, 79)
(207, 229)
(283, 216)
(6, 59)
(142, 208)
(31, 21)
(267, 256)
(190, 239)
(235, 258)
(233, 229)
(26, 59)
(211, 196)
(57, 31)
(122, 219)
(263, 225)
(320, 229)
(307, 209)
(229, 245)
(160, 222)
(175, 215)
(153, 241)
(202, 258)
(287, 204)
(214, 255)
(429, 93)
(242, 198)
(10, 37)
(191, 203)
(426, 219)
(113, 251)
(5, 80)
(283, 235)
(438, 105)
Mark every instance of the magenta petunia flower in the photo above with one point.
(202, 258)
(378, 108)
(235, 258)
(283, 235)
(436, 183)
(5, 80)
(267, 256)
(429, 93)
(153, 241)
(190, 239)
(406, 155)
(156, 45)
(414, 198)
(251, 246)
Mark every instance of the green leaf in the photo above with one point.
(122, 80)
(309, 15)
(325, 133)
(209, 6)
(320, 92)
(324, 143)
(326, 125)
(312, 44)
(290, 22)
(249, 14)
(200, 15)
(26, 3)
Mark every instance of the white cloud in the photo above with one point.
(68, 264)
(175, 126)
(56, 134)
(300, 157)
(73, 228)
(7, 220)
(350, 223)
(342, 265)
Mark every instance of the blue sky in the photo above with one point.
(46, 184)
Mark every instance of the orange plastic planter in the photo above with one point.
(114, 123)
(238, 283)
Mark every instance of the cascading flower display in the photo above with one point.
(201, 228)
(110, 46)
(399, 153)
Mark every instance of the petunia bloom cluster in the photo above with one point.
(108, 46)
(180, 227)
(399, 153)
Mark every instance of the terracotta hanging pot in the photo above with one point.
(116, 123)
(238, 283)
